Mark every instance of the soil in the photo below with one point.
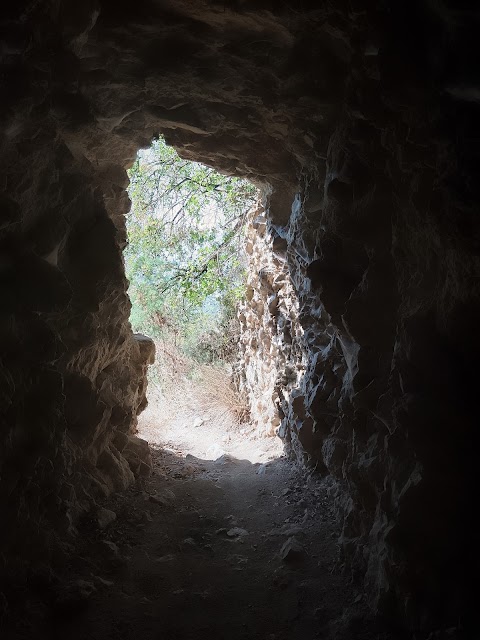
(220, 548)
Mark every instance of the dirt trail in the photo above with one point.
(215, 549)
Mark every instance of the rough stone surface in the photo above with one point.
(270, 361)
(362, 119)
(105, 517)
(292, 550)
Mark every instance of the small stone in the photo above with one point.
(111, 545)
(225, 459)
(190, 542)
(167, 558)
(262, 470)
(160, 500)
(292, 550)
(198, 422)
(105, 517)
(214, 453)
(164, 498)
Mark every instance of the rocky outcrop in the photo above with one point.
(269, 358)
(361, 120)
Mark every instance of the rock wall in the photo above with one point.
(269, 358)
(362, 121)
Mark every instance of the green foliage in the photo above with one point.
(184, 259)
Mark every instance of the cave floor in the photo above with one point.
(196, 552)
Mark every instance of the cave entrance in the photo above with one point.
(186, 264)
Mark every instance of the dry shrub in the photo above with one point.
(180, 386)
(217, 395)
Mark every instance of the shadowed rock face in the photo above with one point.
(363, 126)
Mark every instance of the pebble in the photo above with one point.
(189, 542)
(225, 459)
(113, 548)
(214, 452)
(167, 558)
(164, 498)
(292, 550)
(160, 500)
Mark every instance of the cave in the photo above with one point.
(360, 120)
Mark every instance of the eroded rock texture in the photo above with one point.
(362, 120)
(270, 359)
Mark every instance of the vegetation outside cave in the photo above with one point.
(186, 265)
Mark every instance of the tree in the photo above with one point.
(184, 258)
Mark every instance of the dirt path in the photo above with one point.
(218, 549)
(199, 557)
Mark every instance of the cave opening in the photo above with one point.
(186, 263)
(368, 303)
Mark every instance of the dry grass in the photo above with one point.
(181, 392)
(180, 387)
(217, 396)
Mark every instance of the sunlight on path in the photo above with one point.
(206, 437)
